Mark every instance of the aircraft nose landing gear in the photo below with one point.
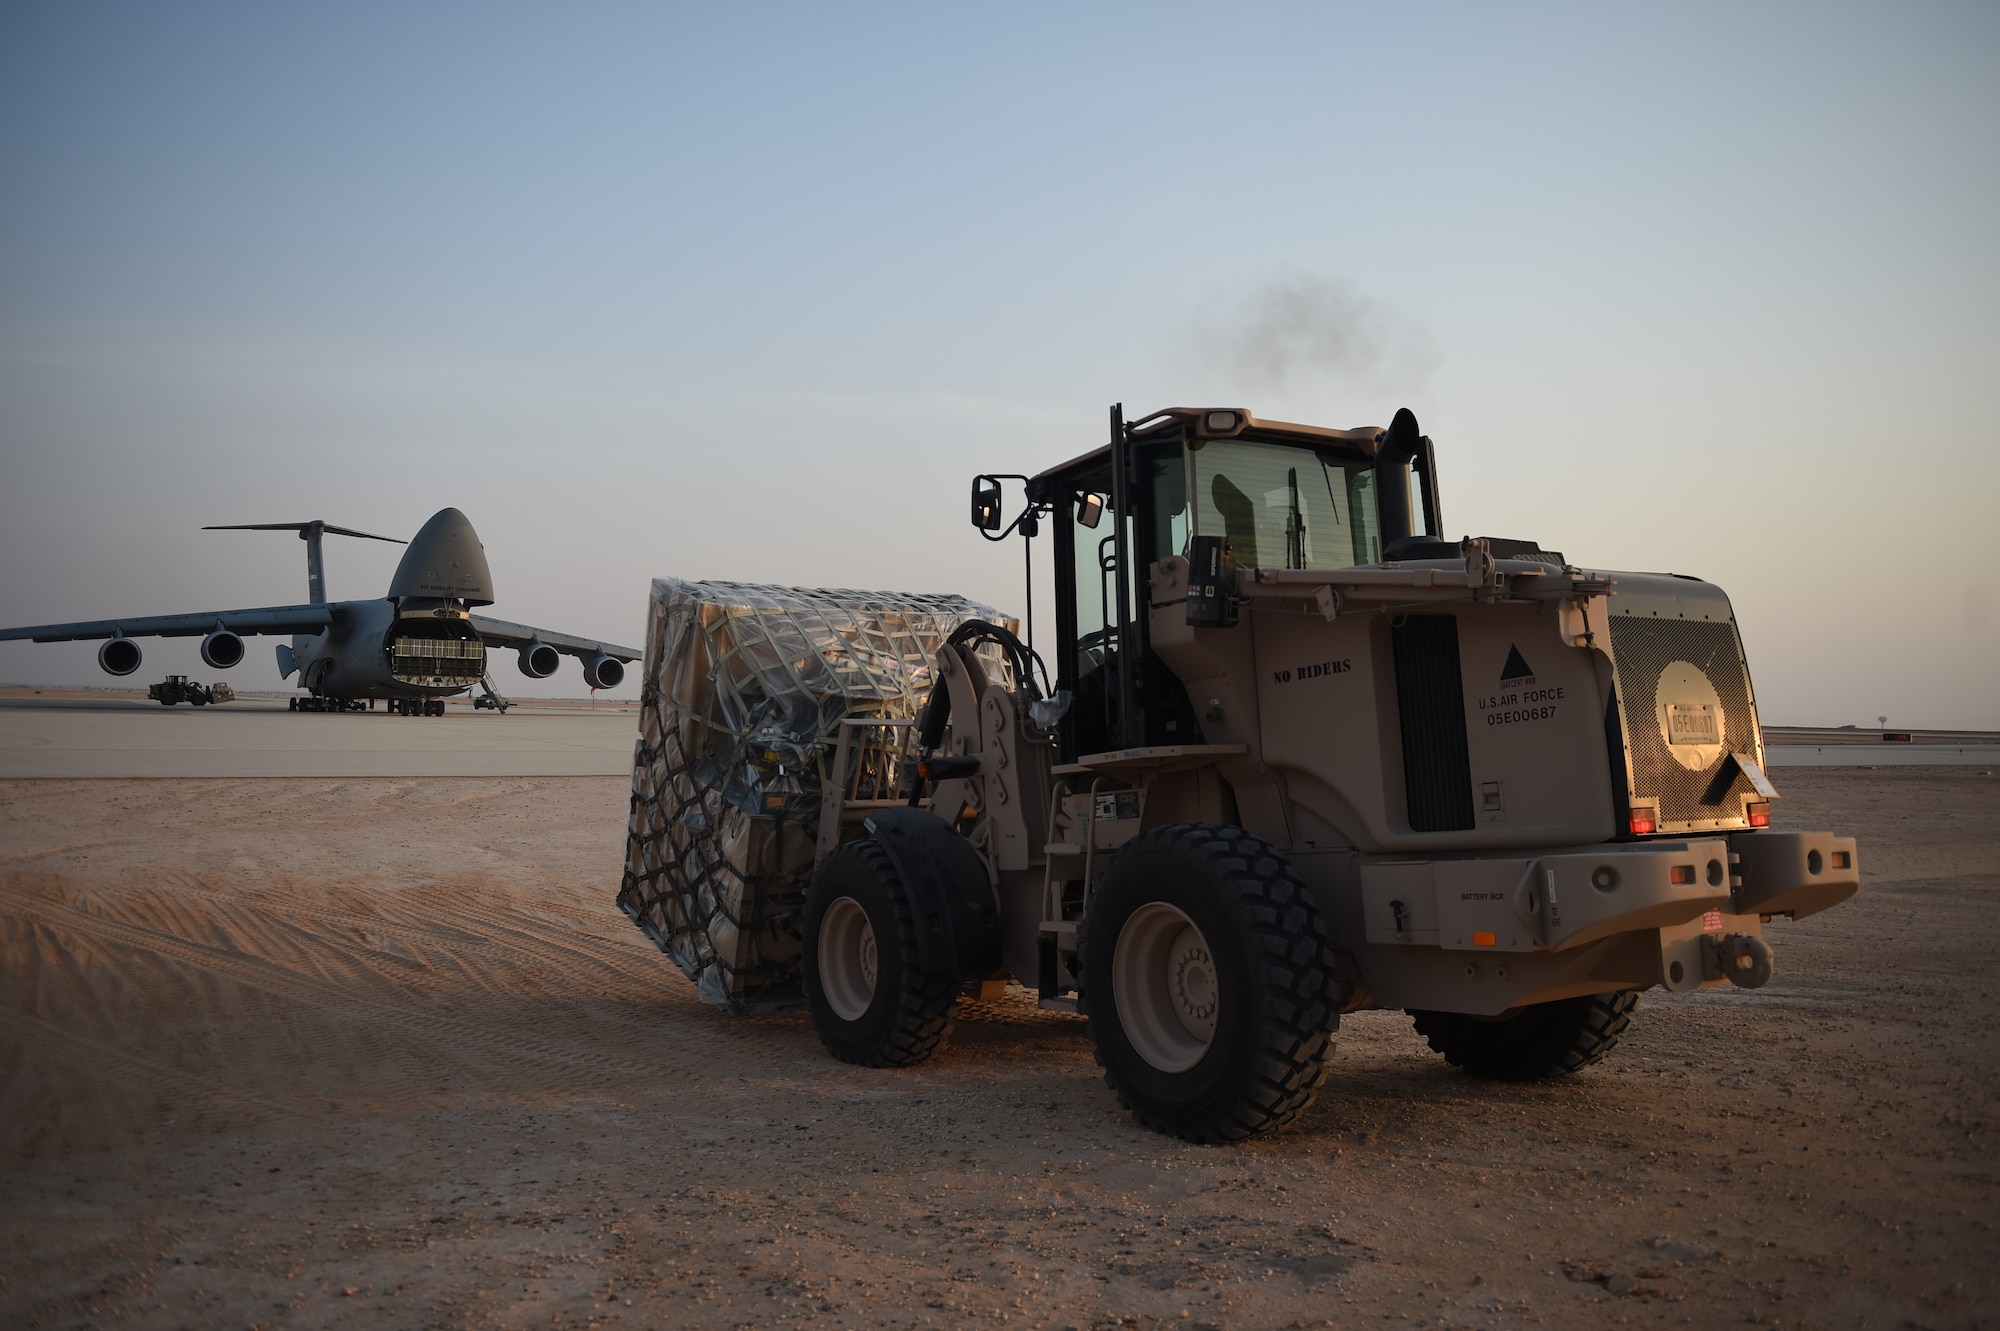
(319, 703)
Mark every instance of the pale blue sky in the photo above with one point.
(750, 292)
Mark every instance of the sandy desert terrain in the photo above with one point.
(309, 1053)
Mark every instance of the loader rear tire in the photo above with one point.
(1535, 1043)
(1208, 981)
(870, 999)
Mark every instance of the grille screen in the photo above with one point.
(1644, 647)
(1430, 696)
(437, 660)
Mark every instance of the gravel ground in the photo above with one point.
(383, 1052)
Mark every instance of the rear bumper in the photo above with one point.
(1624, 915)
(1793, 873)
(1548, 902)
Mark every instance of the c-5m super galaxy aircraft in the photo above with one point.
(414, 647)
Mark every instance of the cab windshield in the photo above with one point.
(1283, 506)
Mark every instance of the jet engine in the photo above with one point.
(222, 649)
(118, 656)
(539, 660)
(603, 672)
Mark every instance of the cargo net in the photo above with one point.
(744, 693)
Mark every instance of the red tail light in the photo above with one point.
(1681, 874)
(1759, 814)
(1644, 823)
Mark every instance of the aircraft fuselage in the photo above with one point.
(421, 642)
(382, 649)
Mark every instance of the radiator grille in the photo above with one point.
(1430, 698)
(1643, 647)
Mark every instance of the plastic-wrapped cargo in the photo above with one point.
(744, 691)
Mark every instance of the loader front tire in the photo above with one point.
(1208, 981)
(870, 999)
(1535, 1043)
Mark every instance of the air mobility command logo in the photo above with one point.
(1519, 699)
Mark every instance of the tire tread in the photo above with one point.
(1299, 980)
(1566, 1036)
(927, 1008)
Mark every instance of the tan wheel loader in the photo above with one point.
(1300, 755)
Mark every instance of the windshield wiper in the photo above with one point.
(1295, 525)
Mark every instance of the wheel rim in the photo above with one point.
(1163, 978)
(847, 959)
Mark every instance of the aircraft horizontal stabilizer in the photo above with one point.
(304, 527)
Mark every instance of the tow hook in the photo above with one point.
(1742, 960)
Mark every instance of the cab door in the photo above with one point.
(1087, 629)
(1090, 636)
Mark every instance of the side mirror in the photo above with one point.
(1090, 510)
(985, 504)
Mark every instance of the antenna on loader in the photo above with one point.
(310, 533)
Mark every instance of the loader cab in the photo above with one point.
(1280, 496)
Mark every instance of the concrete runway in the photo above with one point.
(70, 738)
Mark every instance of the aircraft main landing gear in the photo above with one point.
(316, 703)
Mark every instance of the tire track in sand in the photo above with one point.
(526, 1046)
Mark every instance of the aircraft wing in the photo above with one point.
(503, 634)
(266, 619)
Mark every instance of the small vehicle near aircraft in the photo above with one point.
(179, 688)
(410, 649)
